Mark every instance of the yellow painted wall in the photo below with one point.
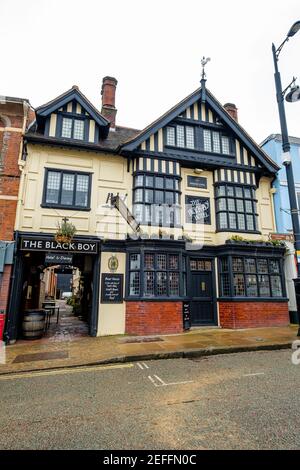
(112, 316)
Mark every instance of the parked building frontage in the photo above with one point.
(15, 114)
(272, 145)
(172, 222)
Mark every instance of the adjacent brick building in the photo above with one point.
(15, 115)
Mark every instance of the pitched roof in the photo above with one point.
(219, 110)
(278, 137)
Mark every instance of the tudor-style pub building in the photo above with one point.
(199, 189)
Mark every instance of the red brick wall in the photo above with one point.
(4, 291)
(148, 318)
(253, 314)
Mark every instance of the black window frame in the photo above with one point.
(235, 211)
(154, 188)
(181, 272)
(66, 206)
(73, 117)
(230, 274)
(185, 125)
(220, 135)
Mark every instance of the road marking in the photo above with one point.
(164, 384)
(145, 365)
(74, 370)
(251, 375)
(140, 366)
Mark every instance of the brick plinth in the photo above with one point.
(253, 314)
(148, 318)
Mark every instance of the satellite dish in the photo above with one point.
(293, 95)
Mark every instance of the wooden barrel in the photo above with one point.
(33, 323)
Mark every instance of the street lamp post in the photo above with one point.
(286, 148)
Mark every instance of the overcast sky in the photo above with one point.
(154, 49)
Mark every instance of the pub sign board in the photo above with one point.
(59, 258)
(112, 288)
(49, 244)
(197, 182)
(197, 210)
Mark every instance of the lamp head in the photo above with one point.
(293, 95)
(294, 29)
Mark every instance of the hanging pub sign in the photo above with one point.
(197, 210)
(58, 258)
(49, 244)
(112, 288)
(197, 182)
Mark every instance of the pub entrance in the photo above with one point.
(64, 277)
(201, 292)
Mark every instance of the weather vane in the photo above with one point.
(204, 61)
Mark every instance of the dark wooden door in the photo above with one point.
(201, 293)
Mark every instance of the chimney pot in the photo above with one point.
(108, 92)
(232, 110)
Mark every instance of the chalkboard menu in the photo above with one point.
(112, 288)
(186, 311)
(197, 210)
(197, 182)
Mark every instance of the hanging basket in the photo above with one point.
(65, 232)
(63, 238)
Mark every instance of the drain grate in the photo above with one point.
(46, 356)
(141, 340)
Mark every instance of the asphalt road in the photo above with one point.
(235, 401)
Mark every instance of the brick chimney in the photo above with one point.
(108, 92)
(232, 110)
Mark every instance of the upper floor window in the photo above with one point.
(181, 136)
(214, 141)
(67, 189)
(156, 199)
(72, 128)
(236, 208)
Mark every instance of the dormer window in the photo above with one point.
(72, 128)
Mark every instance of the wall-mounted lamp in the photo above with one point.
(198, 171)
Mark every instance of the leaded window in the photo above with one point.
(248, 276)
(216, 142)
(180, 136)
(156, 200)
(156, 275)
(72, 128)
(67, 189)
(236, 208)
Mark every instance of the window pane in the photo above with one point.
(78, 129)
(139, 180)
(82, 190)
(216, 142)
(200, 265)
(173, 262)
(169, 197)
(250, 222)
(231, 204)
(241, 222)
(276, 286)
(274, 266)
(222, 204)
(53, 184)
(138, 195)
(159, 197)
(180, 136)
(138, 212)
(264, 286)
(169, 183)
(134, 283)
(225, 285)
(176, 185)
(237, 265)
(239, 205)
(247, 192)
(251, 285)
(250, 266)
(159, 182)
(230, 191)
(222, 217)
(189, 137)
(207, 140)
(221, 190)
(161, 261)
(262, 266)
(135, 261)
(149, 181)
(173, 283)
(232, 220)
(225, 145)
(149, 195)
(193, 265)
(170, 136)
(161, 281)
(149, 283)
(67, 189)
(239, 284)
(147, 213)
(207, 265)
(248, 207)
(224, 264)
(239, 192)
(66, 128)
(149, 261)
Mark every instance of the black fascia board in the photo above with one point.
(40, 139)
(44, 111)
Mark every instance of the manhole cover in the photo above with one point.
(141, 340)
(45, 356)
